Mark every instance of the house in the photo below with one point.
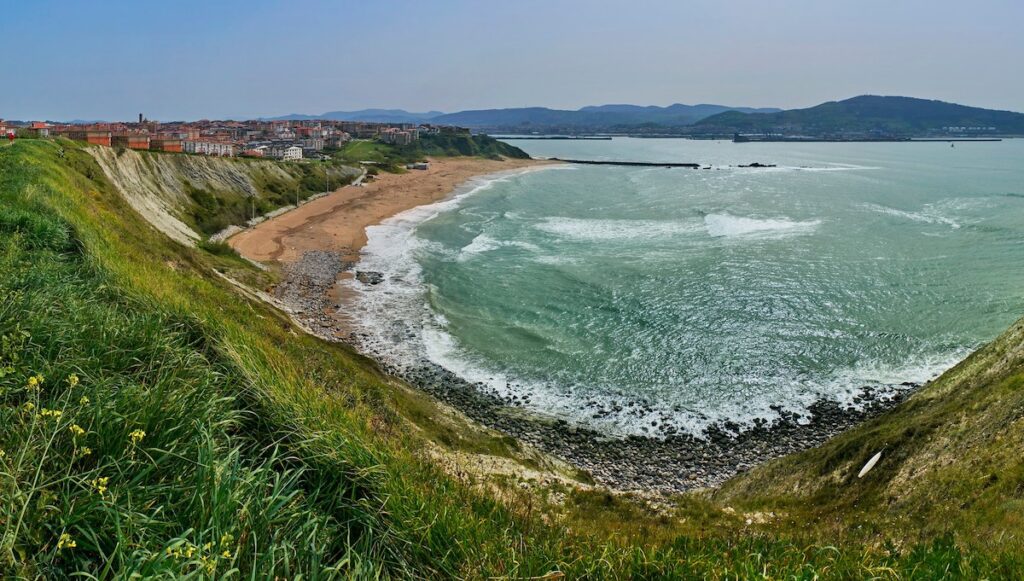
(41, 128)
(130, 140)
(255, 151)
(89, 136)
(167, 144)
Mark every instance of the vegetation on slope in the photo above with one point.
(394, 157)
(903, 116)
(154, 422)
(210, 193)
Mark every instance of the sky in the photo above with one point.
(190, 59)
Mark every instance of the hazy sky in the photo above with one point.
(192, 59)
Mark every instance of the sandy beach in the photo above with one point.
(337, 222)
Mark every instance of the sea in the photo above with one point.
(618, 298)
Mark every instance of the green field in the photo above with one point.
(155, 421)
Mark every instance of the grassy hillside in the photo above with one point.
(903, 116)
(393, 157)
(156, 421)
(952, 458)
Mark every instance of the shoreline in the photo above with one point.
(318, 244)
(338, 221)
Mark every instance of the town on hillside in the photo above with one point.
(283, 140)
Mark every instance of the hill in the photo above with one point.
(160, 417)
(898, 116)
(367, 115)
(591, 118)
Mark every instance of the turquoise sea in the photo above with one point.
(707, 295)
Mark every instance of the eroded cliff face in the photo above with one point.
(159, 186)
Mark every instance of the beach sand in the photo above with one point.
(337, 222)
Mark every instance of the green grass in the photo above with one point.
(393, 158)
(259, 451)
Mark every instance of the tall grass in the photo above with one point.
(154, 424)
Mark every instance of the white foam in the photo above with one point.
(924, 217)
(484, 243)
(729, 226)
(584, 229)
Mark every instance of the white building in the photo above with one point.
(285, 152)
(209, 148)
(292, 153)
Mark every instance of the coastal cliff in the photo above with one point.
(159, 420)
(190, 196)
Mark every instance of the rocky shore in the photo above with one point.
(665, 462)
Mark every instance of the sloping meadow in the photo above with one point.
(153, 422)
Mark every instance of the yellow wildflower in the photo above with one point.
(65, 542)
(84, 451)
(2, 453)
(100, 484)
(76, 430)
(226, 554)
(136, 436)
(48, 413)
(84, 400)
(29, 406)
(207, 546)
(72, 380)
(36, 381)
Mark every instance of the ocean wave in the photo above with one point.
(729, 226)
(589, 230)
(923, 217)
(484, 243)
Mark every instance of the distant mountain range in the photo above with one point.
(542, 118)
(904, 116)
(368, 115)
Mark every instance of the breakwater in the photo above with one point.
(627, 163)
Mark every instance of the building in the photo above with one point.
(313, 143)
(42, 129)
(167, 144)
(201, 147)
(286, 152)
(396, 136)
(130, 140)
(89, 136)
(255, 151)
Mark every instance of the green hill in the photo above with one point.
(159, 419)
(901, 116)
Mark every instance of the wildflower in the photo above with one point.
(136, 436)
(65, 542)
(84, 451)
(76, 430)
(207, 546)
(84, 400)
(225, 540)
(48, 413)
(2, 453)
(100, 484)
(72, 380)
(226, 554)
(29, 406)
(36, 381)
